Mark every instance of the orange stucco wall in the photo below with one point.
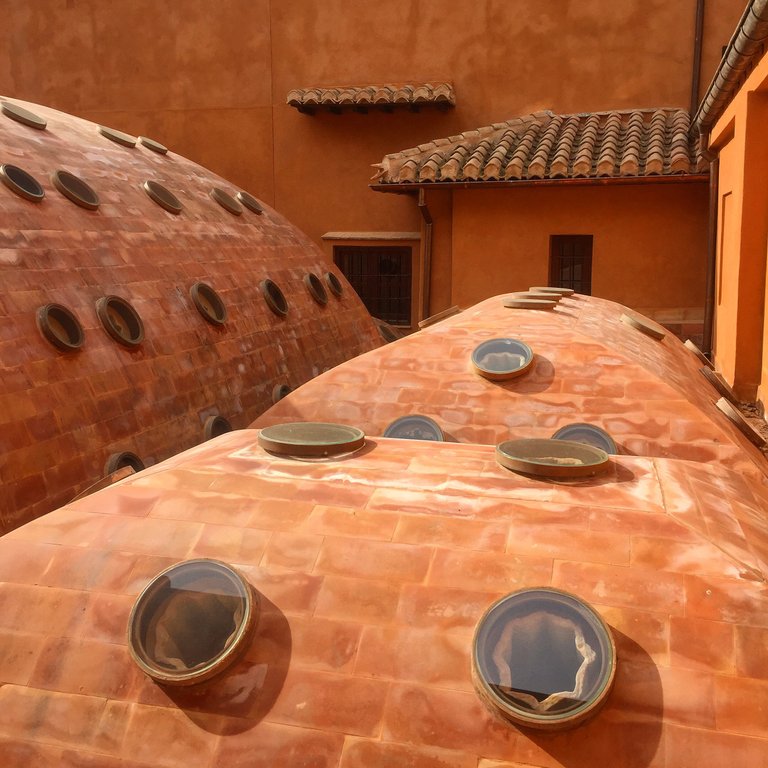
(649, 247)
(739, 138)
(210, 80)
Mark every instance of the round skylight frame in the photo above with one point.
(250, 202)
(519, 354)
(120, 320)
(59, 326)
(208, 303)
(124, 139)
(588, 434)
(222, 599)
(400, 427)
(552, 459)
(21, 183)
(316, 288)
(311, 439)
(163, 197)
(22, 115)
(521, 627)
(215, 426)
(226, 201)
(75, 189)
(274, 297)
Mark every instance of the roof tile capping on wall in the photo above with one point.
(372, 571)
(64, 413)
(588, 366)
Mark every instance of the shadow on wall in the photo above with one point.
(627, 731)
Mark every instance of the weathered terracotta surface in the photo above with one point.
(64, 413)
(373, 571)
(588, 367)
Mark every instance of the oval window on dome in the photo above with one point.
(280, 391)
(120, 320)
(155, 146)
(163, 197)
(543, 658)
(274, 297)
(60, 327)
(250, 202)
(551, 458)
(192, 621)
(75, 189)
(316, 288)
(121, 460)
(22, 183)
(208, 303)
(215, 426)
(21, 115)
(334, 284)
(226, 201)
(124, 139)
(415, 427)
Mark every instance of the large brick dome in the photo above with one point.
(76, 390)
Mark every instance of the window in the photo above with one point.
(381, 275)
(570, 262)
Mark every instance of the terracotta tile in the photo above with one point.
(273, 515)
(681, 557)
(569, 544)
(331, 703)
(167, 737)
(359, 753)
(450, 720)
(291, 592)
(641, 635)
(443, 607)
(43, 610)
(230, 543)
(741, 705)
(325, 645)
(460, 534)
(348, 521)
(74, 665)
(678, 695)
(292, 551)
(700, 644)
(640, 523)
(269, 744)
(484, 571)
(19, 656)
(357, 600)
(622, 587)
(752, 652)
(373, 560)
(92, 568)
(48, 716)
(693, 748)
(736, 601)
(16, 753)
(403, 654)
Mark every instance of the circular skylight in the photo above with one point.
(215, 426)
(316, 288)
(551, 458)
(208, 303)
(118, 136)
(21, 115)
(501, 359)
(121, 460)
(274, 297)
(307, 438)
(163, 197)
(155, 146)
(22, 183)
(646, 326)
(720, 384)
(688, 344)
(524, 303)
(542, 658)
(552, 289)
(588, 434)
(226, 201)
(415, 427)
(60, 327)
(334, 284)
(250, 202)
(120, 320)
(75, 189)
(191, 622)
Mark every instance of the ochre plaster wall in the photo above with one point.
(211, 81)
(649, 247)
(740, 338)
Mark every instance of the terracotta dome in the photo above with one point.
(589, 366)
(97, 225)
(372, 571)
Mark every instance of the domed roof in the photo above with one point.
(372, 571)
(589, 366)
(143, 297)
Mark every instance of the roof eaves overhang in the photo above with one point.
(413, 187)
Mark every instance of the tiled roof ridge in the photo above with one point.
(745, 46)
(615, 143)
(411, 93)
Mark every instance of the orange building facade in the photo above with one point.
(217, 87)
(732, 118)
